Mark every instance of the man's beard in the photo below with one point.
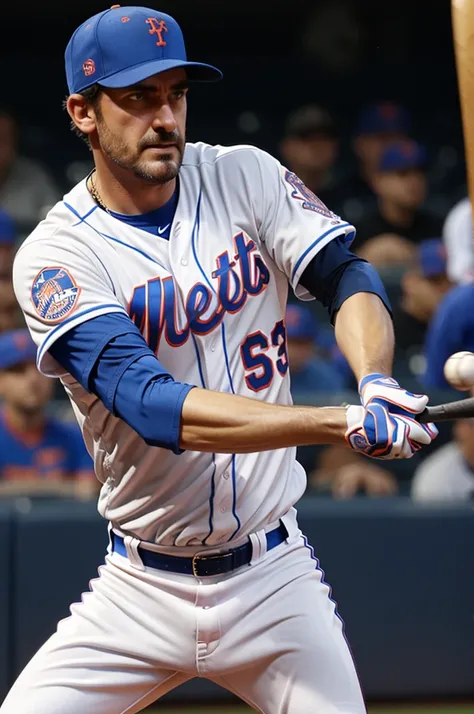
(29, 412)
(158, 171)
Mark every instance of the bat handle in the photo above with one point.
(462, 409)
(426, 416)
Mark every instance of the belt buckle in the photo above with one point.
(200, 558)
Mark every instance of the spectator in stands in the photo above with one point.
(308, 371)
(448, 473)
(387, 236)
(423, 287)
(450, 330)
(8, 235)
(458, 241)
(27, 190)
(38, 454)
(346, 474)
(311, 148)
(378, 126)
(10, 315)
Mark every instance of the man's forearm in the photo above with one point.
(230, 424)
(364, 333)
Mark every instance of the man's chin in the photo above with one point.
(31, 410)
(161, 171)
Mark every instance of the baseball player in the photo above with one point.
(156, 291)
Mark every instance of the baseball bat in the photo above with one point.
(462, 13)
(462, 409)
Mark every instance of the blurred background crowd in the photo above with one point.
(357, 99)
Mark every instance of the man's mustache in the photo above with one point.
(161, 138)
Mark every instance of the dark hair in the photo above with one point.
(91, 95)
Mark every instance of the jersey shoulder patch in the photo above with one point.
(54, 294)
(308, 199)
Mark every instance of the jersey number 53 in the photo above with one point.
(259, 367)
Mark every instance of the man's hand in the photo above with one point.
(363, 476)
(379, 389)
(377, 433)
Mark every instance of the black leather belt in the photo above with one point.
(201, 565)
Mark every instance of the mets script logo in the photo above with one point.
(154, 306)
(157, 28)
(54, 294)
(89, 67)
(308, 199)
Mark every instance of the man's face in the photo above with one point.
(313, 153)
(421, 296)
(6, 261)
(370, 147)
(8, 142)
(24, 388)
(406, 188)
(142, 128)
(464, 437)
(8, 307)
(300, 351)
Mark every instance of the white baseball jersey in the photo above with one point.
(210, 302)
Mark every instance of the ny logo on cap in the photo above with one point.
(157, 28)
(88, 67)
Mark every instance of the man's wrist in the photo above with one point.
(371, 377)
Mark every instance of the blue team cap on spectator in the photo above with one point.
(16, 346)
(432, 257)
(300, 323)
(125, 45)
(384, 117)
(8, 231)
(402, 155)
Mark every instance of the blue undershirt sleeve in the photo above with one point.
(336, 273)
(109, 357)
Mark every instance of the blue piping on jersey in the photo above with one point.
(82, 219)
(96, 308)
(213, 485)
(234, 499)
(318, 240)
(194, 235)
(116, 240)
(234, 485)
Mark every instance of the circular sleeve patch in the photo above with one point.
(54, 294)
(308, 199)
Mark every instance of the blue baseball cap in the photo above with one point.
(8, 231)
(402, 155)
(383, 118)
(16, 346)
(300, 323)
(432, 257)
(125, 45)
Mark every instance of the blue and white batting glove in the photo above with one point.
(379, 389)
(377, 433)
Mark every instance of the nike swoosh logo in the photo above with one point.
(163, 229)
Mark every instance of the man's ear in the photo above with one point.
(81, 113)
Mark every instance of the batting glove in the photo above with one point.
(379, 389)
(377, 433)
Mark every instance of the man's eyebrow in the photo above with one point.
(184, 84)
(140, 87)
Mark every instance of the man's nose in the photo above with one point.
(164, 119)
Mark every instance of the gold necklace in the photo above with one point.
(95, 194)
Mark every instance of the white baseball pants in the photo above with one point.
(267, 632)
